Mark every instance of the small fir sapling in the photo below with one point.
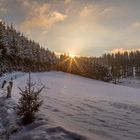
(29, 103)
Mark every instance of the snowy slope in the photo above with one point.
(94, 109)
(130, 82)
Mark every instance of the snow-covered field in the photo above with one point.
(76, 108)
(130, 82)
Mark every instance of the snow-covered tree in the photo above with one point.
(17, 52)
(29, 102)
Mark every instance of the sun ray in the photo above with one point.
(78, 65)
(70, 65)
(64, 61)
(72, 55)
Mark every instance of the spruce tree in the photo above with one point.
(29, 102)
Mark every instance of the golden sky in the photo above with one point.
(82, 27)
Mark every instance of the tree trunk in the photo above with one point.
(9, 91)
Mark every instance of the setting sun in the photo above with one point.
(72, 55)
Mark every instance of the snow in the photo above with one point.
(8, 118)
(130, 82)
(75, 107)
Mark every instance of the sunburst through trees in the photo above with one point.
(83, 66)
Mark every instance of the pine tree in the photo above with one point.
(29, 102)
(17, 52)
(2, 48)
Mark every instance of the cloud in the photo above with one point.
(122, 50)
(41, 16)
(67, 1)
(86, 11)
(25, 2)
(136, 24)
(28, 3)
(3, 8)
(107, 11)
(97, 11)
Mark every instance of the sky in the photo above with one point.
(79, 27)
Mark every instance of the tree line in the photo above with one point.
(84, 66)
(107, 67)
(122, 65)
(17, 52)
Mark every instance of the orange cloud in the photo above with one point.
(41, 17)
(122, 50)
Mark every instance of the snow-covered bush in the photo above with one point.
(29, 102)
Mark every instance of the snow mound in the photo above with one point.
(43, 130)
